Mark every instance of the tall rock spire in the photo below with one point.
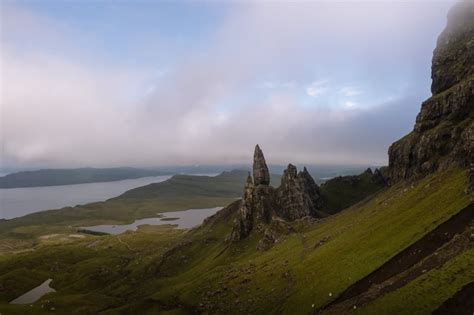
(260, 169)
(267, 210)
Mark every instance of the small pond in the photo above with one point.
(182, 219)
(34, 294)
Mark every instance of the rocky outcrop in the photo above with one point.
(268, 210)
(243, 224)
(261, 176)
(444, 131)
(453, 58)
(297, 195)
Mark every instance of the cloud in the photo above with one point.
(317, 88)
(64, 106)
(350, 91)
(350, 104)
(279, 85)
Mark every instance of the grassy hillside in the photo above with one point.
(157, 269)
(180, 192)
(344, 191)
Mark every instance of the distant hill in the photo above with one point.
(180, 192)
(55, 177)
(344, 191)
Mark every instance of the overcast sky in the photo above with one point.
(148, 83)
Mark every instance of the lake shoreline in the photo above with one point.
(18, 202)
(183, 219)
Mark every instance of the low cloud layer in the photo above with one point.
(316, 83)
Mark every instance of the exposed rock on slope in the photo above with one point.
(266, 209)
(444, 129)
(244, 223)
(295, 202)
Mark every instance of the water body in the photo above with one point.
(17, 202)
(34, 294)
(183, 219)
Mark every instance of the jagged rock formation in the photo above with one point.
(312, 190)
(295, 195)
(261, 176)
(444, 129)
(244, 223)
(267, 209)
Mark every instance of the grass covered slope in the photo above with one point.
(198, 271)
(313, 266)
(92, 272)
(344, 191)
(181, 192)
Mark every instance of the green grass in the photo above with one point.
(344, 191)
(361, 239)
(90, 273)
(181, 192)
(203, 273)
(423, 295)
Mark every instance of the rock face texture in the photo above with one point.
(243, 225)
(295, 195)
(267, 210)
(312, 190)
(444, 129)
(453, 58)
(260, 169)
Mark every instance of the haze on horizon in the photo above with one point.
(103, 83)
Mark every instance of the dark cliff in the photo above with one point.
(444, 131)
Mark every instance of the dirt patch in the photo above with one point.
(461, 302)
(456, 246)
(412, 255)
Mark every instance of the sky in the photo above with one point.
(151, 83)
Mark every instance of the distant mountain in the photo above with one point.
(55, 177)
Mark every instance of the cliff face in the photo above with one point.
(453, 58)
(444, 131)
(267, 209)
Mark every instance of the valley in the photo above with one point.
(398, 239)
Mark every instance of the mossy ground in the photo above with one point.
(304, 271)
(342, 192)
